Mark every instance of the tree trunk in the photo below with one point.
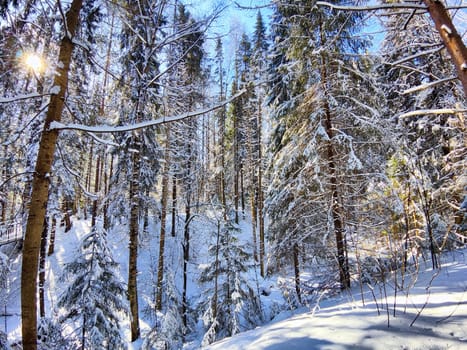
(344, 274)
(186, 257)
(108, 181)
(260, 194)
(41, 183)
(165, 194)
(52, 236)
(96, 190)
(216, 274)
(133, 248)
(88, 182)
(174, 205)
(451, 38)
(336, 208)
(42, 268)
(296, 264)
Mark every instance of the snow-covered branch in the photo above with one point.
(419, 54)
(23, 97)
(432, 111)
(102, 129)
(427, 85)
(398, 5)
(401, 5)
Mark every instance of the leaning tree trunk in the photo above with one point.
(451, 38)
(41, 183)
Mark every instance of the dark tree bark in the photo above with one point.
(41, 183)
(174, 205)
(53, 228)
(336, 207)
(42, 268)
(296, 264)
(133, 247)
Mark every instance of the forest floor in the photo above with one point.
(429, 314)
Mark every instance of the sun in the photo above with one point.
(34, 62)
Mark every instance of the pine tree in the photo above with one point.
(95, 295)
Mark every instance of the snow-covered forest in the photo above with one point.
(168, 181)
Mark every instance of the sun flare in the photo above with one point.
(34, 62)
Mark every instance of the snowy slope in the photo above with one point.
(345, 322)
(341, 322)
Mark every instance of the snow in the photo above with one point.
(344, 322)
(340, 322)
(446, 29)
(55, 90)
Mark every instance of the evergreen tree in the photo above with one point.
(139, 155)
(320, 157)
(234, 307)
(425, 166)
(95, 295)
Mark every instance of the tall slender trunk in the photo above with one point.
(133, 248)
(260, 193)
(41, 183)
(296, 264)
(186, 257)
(42, 257)
(222, 174)
(53, 229)
(336, 208)
(174, 205)
(216, 274)
(164, 199)
(88, 181)
(107, 183)
(96, 190)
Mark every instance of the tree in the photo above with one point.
(234, 307)
(140, 153)
(443, 24)
(317, 172)
(95, 296)
(260, 72)
(425, 165)
(40, 184)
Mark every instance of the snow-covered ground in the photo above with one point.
(430, 315)
(430, 309)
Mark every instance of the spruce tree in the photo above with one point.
(235, 306)
(95, 295)
(320, 157)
